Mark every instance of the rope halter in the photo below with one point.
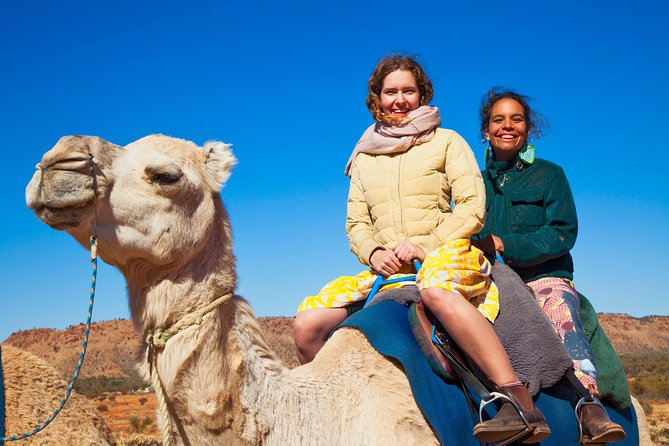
(156, 340)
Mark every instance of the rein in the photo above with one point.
(93, 243)
(156, 340)
(94, 260)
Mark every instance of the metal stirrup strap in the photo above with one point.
(444, 346)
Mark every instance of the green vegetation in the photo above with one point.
(90, 387)
(648, 375)
(138, 427)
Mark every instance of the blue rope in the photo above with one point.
(94, 261)
(2, 402)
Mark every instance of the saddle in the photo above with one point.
(449, 362)
(516, 327)
(446, 359)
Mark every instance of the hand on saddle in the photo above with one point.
(385, 262)
(489, 244)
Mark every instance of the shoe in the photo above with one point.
(595, 424)
(517, 419)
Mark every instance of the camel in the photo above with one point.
(156, 209)
(33, 390)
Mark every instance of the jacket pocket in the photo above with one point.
(526, 210)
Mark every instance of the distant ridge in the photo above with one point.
(114, 345)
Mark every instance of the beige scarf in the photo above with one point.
(382, 138)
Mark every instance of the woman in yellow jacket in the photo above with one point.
(416, 193)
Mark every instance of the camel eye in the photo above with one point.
(166, 178)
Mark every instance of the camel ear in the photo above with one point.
(219, 162)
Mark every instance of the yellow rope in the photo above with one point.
(162, 405)
(157, 340)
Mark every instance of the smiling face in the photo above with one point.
(399, 94)
(507, 129)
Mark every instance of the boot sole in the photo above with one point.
(607, 437)
(497, 435)
(540, 432)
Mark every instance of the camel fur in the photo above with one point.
(160, 220)
(33, 390)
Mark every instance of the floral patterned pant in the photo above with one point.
(559, 300)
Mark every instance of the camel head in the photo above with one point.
(153, 203)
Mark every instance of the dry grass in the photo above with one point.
(658, 421)
(132, 417)
(140, 440)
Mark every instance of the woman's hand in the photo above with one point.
(385, 262)
(489, 244)
(407, 252)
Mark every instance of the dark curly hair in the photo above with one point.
(537, 125)
(386, 66)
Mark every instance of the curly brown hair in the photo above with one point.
(537, 124)
(386, 66)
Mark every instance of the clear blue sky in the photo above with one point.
(285, 83)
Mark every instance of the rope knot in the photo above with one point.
(160, 338)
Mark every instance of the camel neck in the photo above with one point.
(217, 376)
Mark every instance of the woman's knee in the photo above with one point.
(304, 327)
(443, 301)
(315, 325)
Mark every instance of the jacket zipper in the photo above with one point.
(399, 194)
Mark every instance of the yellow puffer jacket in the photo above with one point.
(407, 196)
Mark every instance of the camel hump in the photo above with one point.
(33, 390)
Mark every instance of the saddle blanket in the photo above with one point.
(386, 326)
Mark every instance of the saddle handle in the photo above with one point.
(382, 281)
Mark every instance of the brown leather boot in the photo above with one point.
(596, 426)
(508, 424)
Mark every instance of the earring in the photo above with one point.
(487, 154)
(526, 154)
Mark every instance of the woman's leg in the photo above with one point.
(317, 316)
(476, 337)
(471, 332)
(312, 328)
(560, 302)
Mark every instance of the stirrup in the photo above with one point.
(586, 401)
(455, 360)
(444, 344)
(495, 396)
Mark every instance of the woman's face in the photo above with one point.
(507, 129)
(399, 94)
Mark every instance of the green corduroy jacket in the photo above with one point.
(531, 209)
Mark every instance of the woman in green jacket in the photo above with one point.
(531, 223)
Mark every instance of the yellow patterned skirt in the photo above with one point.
(456, 266)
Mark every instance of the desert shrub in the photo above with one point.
(640, 365)
(142, 400)
(138, 427)
(648, 375)
(102, 408)
(655, 387)
(93, 386)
